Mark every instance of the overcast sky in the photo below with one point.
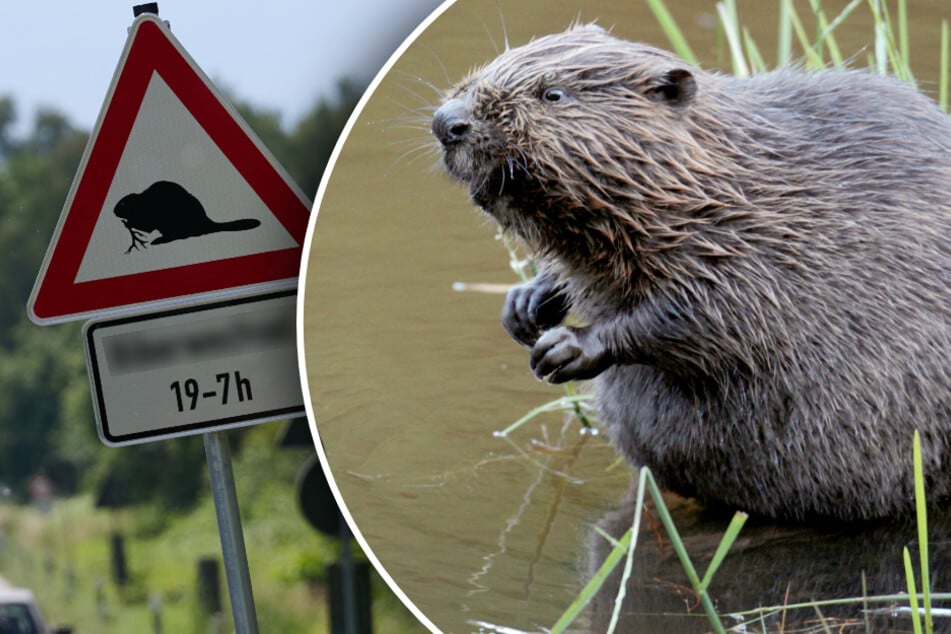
(277, 54)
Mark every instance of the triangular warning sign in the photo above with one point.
(175, 197)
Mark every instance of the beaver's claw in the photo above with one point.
(532, 308)
(138, 239)
(568, 354)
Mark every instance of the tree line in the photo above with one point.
(46, 419)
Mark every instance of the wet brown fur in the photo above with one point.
(764, 263)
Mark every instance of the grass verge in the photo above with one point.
(64, 556)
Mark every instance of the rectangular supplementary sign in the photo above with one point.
(194, 370)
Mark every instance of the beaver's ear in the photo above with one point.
(676, 87)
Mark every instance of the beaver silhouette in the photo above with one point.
(169, 209)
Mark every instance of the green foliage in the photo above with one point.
(46, 420)
(38, 370)
(306, 149)
(624, 549)
(287, 559)
(169, 474)
(316, 135)
(47, 425)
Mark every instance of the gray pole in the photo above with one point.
(218, 454)
(347, 579)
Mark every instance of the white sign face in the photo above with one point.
(194, 370)
(204, 196)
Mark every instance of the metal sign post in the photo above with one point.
(197, 368)
(218, 455)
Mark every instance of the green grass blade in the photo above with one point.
(591, 588)
(863, 601)
(606, 537)
(813, 57)
(569, 388)
(943, 78)
(784, 39)
(823, 621)
(623, 546)
(757, 63)
(562, 403)
(922, 517)
(886, 50)
(903, 31)
(731, 28)
(629, 562)
(827, 31)
(732, 531)
(912, 592)
(672, 31)
(868, 624)
(881, 56)
(668, 523)
(681, 551)
(824, 38)
(901, 64)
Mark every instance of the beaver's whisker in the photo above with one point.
(511, 163)
(524, 159)
(414, 153)
(415, 79)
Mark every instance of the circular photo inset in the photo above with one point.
(475, 470)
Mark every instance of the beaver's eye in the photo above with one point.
(554, 95)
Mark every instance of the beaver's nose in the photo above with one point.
(451, 122)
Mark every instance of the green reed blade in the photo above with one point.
(731, 28)
(672, 31)
(823, 38)
(629, 562)
(921, 512)
(903, 31)
(912, 592)
(561, 403)
(681, 551)
(757, 63)
(784, 37)
(943, 75)
(868, 624)
(822, 620)
(827, 32)
(591, 588)
(726, 542)
(623, 546)
(813, 56)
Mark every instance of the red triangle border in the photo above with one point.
(57, 297)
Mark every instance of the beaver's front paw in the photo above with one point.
(532, 308)
(568, 354)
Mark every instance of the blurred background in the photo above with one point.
(125, 540)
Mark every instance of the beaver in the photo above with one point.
(760, 267)
(169, 208)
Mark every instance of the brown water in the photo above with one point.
(409, 378)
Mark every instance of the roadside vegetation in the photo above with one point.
(155, 495)
(64, 554)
